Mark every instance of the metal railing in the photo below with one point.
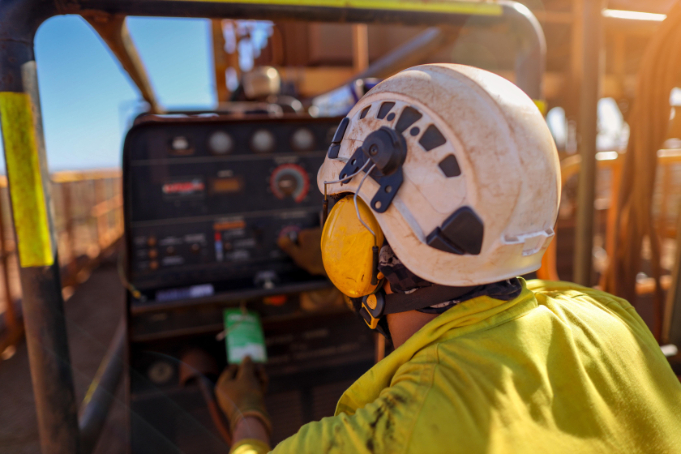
(88, 220)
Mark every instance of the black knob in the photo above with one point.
(287, 185)
(386, 148)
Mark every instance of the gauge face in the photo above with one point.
(262, 141)
(160, 372)
(220, 143)
(290, 181)
(302, 140)
(180, 145)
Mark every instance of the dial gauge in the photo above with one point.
(262, 141)
(290, 180)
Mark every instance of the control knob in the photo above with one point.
(290, 180)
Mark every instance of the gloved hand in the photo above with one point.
(240, 392)
(308, 252)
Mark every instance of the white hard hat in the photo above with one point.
(470, 185)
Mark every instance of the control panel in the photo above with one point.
(208, 197)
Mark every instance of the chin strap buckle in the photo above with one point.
(372, 308)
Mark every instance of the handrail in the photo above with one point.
(79, 211)
(95, 407)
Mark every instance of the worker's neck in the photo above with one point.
(406, 324)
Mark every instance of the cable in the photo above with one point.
(357, 207)
(121, 275)
(349, 177)
(325, 209)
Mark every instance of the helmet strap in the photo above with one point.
(377, 305)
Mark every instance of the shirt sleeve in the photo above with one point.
(384, 425)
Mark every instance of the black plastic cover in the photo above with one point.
(386, 148)
(462, 233)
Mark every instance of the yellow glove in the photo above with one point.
(308, 252)
(240, 392)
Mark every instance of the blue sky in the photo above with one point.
(88, 101)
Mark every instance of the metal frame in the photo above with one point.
(25, 149)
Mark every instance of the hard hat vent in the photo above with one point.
(408, 117)
(432, 138)
(450, 166)
(365, 111)
(385, 108)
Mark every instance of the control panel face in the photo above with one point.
(207, 199)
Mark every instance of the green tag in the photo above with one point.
(244, 336)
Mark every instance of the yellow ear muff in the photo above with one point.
(347, 247)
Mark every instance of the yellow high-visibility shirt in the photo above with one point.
(560, 369)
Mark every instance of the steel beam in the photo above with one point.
(523, 27)
(410, 53)
(587, 127)
(43, 307)
(219, 60)
(114, 31)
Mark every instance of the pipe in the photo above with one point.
(96, 405)
(530, 61)
(410, 53)
(672, 329)
(43, 306)
(592, 30)
(114, 31)
(220, 65)
(530, 56)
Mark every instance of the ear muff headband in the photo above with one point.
(347, 247)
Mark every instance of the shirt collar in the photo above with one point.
(473, 315)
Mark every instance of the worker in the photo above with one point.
(446, 187)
